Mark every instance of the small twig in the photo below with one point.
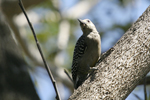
(39, 48)
(68, 75)
(137, 96)
(145, 93)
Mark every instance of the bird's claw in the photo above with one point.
(93, 69)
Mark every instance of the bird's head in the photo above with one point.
(87, 26)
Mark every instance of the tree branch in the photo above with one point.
(142, 82)
(120, 72)
(68, 75)
(145, 93)
(15, 81)
(40, 51)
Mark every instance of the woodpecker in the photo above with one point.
(86, 53)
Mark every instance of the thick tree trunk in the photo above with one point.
(15, 82)
(122, 67)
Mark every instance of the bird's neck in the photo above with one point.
(85, 33)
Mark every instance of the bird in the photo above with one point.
(86, 52)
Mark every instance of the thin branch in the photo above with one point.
(39, 48)
(68, 75)
(147, 81)
(145, 93)
(137, 96)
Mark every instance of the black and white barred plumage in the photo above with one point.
(78, 52)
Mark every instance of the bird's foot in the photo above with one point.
(93, 69)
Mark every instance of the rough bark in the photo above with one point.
(15, 82)
(121, 68)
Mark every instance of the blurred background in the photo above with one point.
(57, 29)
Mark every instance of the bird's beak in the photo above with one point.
(81, 21)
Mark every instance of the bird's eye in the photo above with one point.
(88, 20)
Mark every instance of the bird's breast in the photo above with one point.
(93, 39)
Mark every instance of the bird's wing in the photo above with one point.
(78, 52)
